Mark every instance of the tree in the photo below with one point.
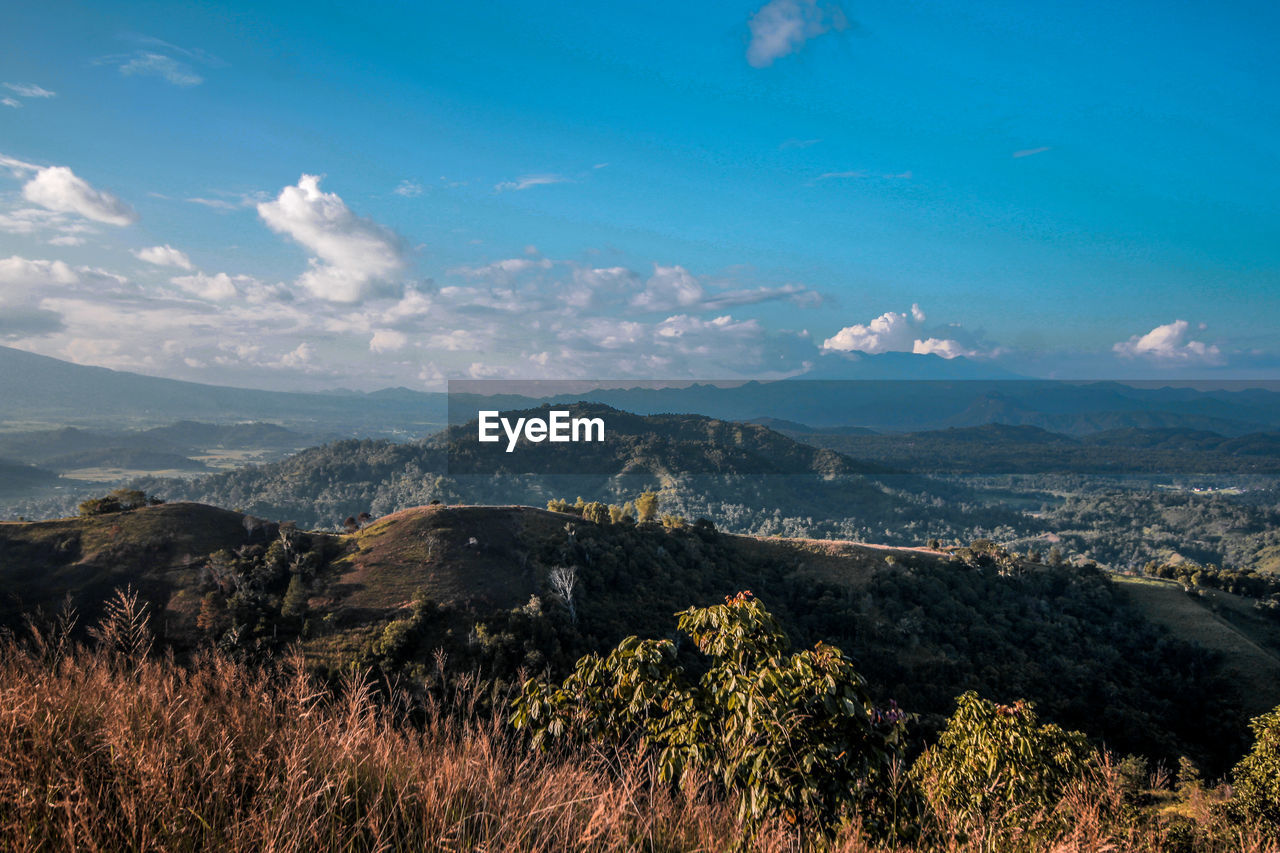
(295, 598)
(596, 512)
(129, 498)
(119, 500)
(564, 581)
(647, 506)
(790, 735)
(1256, 779)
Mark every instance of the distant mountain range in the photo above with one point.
(35, 388)
(891, 392)
(741, 474)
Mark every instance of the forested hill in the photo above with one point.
(745, 477)
(475, 584)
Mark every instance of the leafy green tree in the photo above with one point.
(1255, 795)
(997, 766)
(295, 598)
(790, 734)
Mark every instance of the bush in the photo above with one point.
(790, 735)
(995, 766)
(120, 500)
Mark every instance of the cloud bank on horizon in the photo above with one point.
(704, 219)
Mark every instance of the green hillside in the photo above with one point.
(1221, 622)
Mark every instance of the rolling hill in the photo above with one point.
(743, 476)
(472, 584)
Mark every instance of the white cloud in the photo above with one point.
(11, 102)
(942, 347)
(408, 188)
(66, 240)
(301, 356)
(890, 332)
(17, 168)
(525, 182)
(164, 256)
(668, 288)
(59, 189)
(215, 203)
(23, 284)
(29, 90)
(895, 332)
(355, 255)
(590, 284)
(1170, 344)
(151, 64)
(1031, 152)
(387, 340)
(504, 270)
(21, 272)
(781, 27)
(682, 325)
(33, 220)
(214, 288)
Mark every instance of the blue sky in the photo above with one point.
(312, 195)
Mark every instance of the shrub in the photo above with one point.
(790, 735)
(995, 766)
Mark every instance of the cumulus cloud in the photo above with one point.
(16, 271)
(164, 256)
(781, 27)
(525, 182)
(299, 357)
(214, 288)
(897, 332)
(23, 284)
(944, 347)
(387, 340)
(890, 332)
(355, 257)
(1170, 344)
(668, 288)
(59, 189)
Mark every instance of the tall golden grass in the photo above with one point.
(111, 748)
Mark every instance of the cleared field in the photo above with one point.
(1191, 618)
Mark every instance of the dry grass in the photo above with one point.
(112, 748)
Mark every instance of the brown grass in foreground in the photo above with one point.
(112, 749)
